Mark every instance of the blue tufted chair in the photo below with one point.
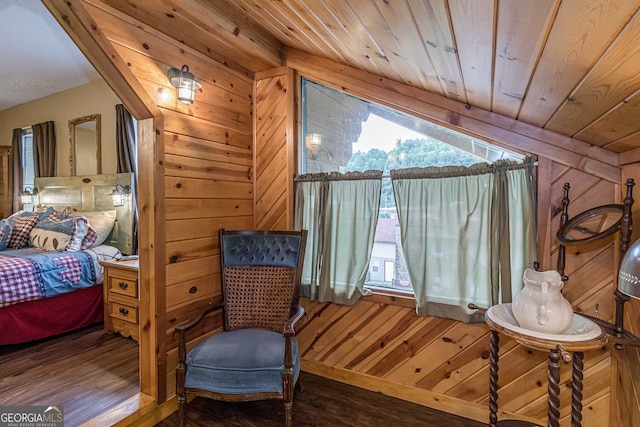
(256, 356)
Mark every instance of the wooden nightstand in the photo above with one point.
(121, 297)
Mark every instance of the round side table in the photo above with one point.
(583, 335)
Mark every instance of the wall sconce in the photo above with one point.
(185, 82)
(119, 193)
(26, 197)
(314, 140)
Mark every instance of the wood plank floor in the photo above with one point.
(322, 402)
(85, 372)
(88, 371)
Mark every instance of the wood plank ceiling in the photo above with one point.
(569, 66)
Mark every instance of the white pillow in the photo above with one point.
(105, 252)
(101, 221)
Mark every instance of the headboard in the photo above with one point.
(90, 193)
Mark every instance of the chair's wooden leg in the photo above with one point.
(182, 410)
(287, 394)
(181, 371)
(288, 411)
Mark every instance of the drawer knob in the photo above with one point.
(123, 285)
(124, 311)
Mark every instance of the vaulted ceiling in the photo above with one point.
(569, 66)
(39, 59)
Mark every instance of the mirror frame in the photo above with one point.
(72, 142)
(573, 223)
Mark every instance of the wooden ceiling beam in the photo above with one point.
(87, 35)
(212, 28)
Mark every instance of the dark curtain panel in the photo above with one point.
(125, 140)
(15, 172)
(126, 146)
(44, 149)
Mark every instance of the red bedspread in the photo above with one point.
(32, 320)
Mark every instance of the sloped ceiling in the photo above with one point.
(38, 58)
(569, 66)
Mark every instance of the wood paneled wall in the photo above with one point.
(208, 175)
(275, 149)
(207, 151)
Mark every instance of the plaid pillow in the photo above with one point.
(23, 214)
(5, 230)
(20, 231)
(89, 239)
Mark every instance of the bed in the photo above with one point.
(50, 276)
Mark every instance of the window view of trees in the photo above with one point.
(407, 154)
(337, 126)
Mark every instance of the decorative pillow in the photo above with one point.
(59, 232)
(20, 232)
(90, 239)
(22, 214)
(5, 230)
(101, 221)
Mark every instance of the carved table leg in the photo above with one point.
(576, 396)
(494, 348)
(553, 375)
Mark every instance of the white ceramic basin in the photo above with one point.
(581, 329)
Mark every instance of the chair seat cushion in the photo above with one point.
(240, 361)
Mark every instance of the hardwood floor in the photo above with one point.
(322, 402)
(85, 372)
(88, 371)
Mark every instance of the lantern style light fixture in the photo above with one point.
(185, 82)
(26, 197)
(119, 193)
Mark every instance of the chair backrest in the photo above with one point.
(261, 273)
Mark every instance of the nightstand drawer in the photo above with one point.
(126, 312)
(121, 304)
(124, 286)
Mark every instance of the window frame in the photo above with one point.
(387, 295)
(28, 173)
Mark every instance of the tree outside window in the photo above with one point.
(342, 133)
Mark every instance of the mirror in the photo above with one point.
(591, 225)
(85, 152)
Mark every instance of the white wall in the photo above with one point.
(93, 98)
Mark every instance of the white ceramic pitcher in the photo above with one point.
(540, 306)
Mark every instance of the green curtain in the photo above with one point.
(467, 234)
(310, 200)
(340, 211)
(519, 242)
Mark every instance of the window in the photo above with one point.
(342, 133)
(28, 166)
